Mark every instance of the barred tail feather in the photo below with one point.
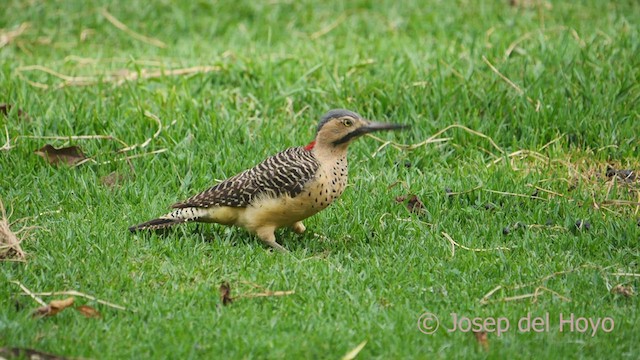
(156, 224)
(175, 217)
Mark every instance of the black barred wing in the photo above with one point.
(284, 173)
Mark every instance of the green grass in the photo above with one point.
(374, 267)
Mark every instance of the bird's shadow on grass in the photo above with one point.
(307, 242)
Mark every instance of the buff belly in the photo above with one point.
(277, 212)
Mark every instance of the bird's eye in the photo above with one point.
(347, 122)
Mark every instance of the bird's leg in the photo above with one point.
(266, 234)
(298, 227)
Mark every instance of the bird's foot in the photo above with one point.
(298, 227)
(267, 236)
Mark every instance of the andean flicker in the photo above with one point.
(282, 190)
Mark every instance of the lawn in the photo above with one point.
(522, 157)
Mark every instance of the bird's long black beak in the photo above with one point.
(370, 127)
(380, 126)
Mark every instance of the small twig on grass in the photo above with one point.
(117, 78)
(6, 37)
(148, 141)
(46, 70)
(529, 34)
(36, 296)
(551, 142)
(521, 154)
(225, 292)
(486, 298)
(126, 147)
(625, 274)
(133, 157)
(83, 295)
(517, 41)
(28, 292)
(75, 137)
(506, 79)
(558, 273)
(538, 291)
(511, 83)
(143, 74)
(7, 145)
(433, 139)
(264, 291)
(89, 159)
(545, 190)
(617, 202)
(454, 244)
(409, 220)
(118, 24)
(93, 61)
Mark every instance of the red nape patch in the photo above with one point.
(310, 146)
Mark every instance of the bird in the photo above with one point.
(282, 190)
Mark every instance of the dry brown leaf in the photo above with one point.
(225, 293)
(6, 108)
(626, 291)
(88, 311)
(68, 155)
(24, 353)
(9, 242)
(414, 205)
(54, 307)
(625, 174)
(483, 340)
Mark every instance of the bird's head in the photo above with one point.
(339, 127)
